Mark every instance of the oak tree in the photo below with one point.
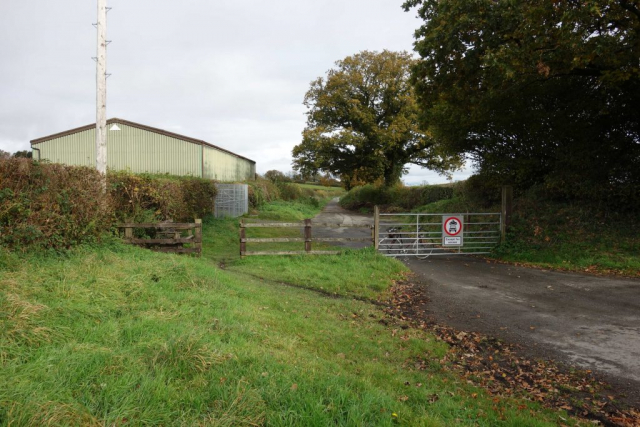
(362, 122)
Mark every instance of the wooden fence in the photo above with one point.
(168, 236)
(305, 226)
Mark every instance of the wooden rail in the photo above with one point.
(168, 236)
(306, 227)
(300, 224)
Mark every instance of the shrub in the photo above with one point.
(45, 205)
(289, 192)
(480, 190)
(144, 197)
(262, 191)
(50, 205)
(395, 198)
(199, 196)
(367, 195)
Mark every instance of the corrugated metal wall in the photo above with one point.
(222, 166)
(71, 150)
(142, 151)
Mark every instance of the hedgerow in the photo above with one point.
(397, 197)
(46, 205)
(144, 197)
(50, 205)
(265, 190)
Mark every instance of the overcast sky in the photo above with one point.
(233, 73)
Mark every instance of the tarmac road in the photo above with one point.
(586, 321)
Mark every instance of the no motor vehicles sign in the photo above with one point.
(452, 230)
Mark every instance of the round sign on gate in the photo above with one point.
(452, 226)
(452, 231)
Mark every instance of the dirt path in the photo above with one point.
(584, 321)
(334, 214)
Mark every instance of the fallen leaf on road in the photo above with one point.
(499, 367)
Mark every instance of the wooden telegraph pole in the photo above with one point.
(101, 93)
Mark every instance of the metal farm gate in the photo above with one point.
(430, 234)
(232, 200)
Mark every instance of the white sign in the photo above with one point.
(452, 241)
(452, 230)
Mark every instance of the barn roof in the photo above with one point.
(139, 126)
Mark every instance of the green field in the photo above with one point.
(336, 191)
(117, 335)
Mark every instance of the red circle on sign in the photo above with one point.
(447, 223)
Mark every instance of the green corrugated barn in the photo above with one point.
(139, 148)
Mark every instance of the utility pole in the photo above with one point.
(101, 93)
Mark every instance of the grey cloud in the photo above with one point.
(232, 73)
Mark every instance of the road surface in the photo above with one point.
(586, 321)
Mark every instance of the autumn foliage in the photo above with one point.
(50, 206)
(55, 206)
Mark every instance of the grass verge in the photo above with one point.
(361, 274)
(117, 335)
(355, 273)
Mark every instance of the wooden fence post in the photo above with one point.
(307, 235)
(376, 226)
(128, 231)
(507, 208)
(198, 236)
(243, 237)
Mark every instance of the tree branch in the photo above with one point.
(631, 8)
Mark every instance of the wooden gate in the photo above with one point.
(167, 236)
(306, 230)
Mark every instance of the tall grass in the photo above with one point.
(118, 335)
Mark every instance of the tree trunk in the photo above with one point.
(392, 174)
